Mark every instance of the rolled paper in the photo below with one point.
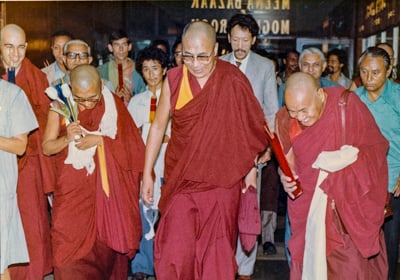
(11, 74)
(153, 105)
(120, 76)
(282, 161)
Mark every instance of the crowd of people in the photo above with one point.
(140, 166)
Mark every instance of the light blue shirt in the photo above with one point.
(386, 111)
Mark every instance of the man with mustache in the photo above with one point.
(242, 34)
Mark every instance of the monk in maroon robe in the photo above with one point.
(96, 223)
(35, 170)
(217, 132)
(356, 194)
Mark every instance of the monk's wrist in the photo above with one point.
(66, 139)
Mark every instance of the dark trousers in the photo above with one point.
(391, 227)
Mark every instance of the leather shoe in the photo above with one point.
(269, 248)
(244, 277)
(139, 276)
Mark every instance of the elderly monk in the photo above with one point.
(96, 224)
(336, 223)
(217, 132)
(35, 174)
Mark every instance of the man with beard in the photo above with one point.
(291, 62)
(337, 63)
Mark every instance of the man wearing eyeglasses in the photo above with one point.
(77, 52)
(96, 224)
(35, 170)
(217, 131)
(242, 35)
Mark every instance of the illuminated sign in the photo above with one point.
(377, 15)
(272, 16)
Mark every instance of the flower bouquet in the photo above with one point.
(68, 108)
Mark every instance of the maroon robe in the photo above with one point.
(89, 229)
(359, 190)
(35, 176)
(214, 141)
(216, 135)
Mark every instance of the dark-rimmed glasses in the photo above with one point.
(75, 55)
(93, 99)
(201, 58)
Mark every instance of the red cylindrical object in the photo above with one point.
(120, 76)
(284, 165)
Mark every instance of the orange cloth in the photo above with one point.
(223, 123)
(185, 92)
(103, 167)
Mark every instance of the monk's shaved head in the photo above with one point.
(85, 76)
(196, 28)
(12, 28)
(304, 99)
(300, 80)
(200, 49)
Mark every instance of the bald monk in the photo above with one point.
(96, 223)
(35, 170)
(336, 223)
(217, 132)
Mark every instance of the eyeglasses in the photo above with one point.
(75, 55)
(201, 58)
(92, 99)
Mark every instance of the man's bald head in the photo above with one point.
(300, 79)
(304, 100)
(196, 28)
(85, 76)
(12, 28)
(199, 49)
